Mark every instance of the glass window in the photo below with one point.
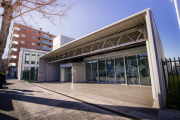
(102, 71)
(27, 55)
(110, 70)
(33, 37)
(28, 36)
(23, 35)
(120, 70)
(132, 70)
(33, 57)
(22, 41)
(33, 43)
(27, 42)
(144, 72)
(88, 71)
(94, 71)
(24, 29)
(34, 31)
(38, 58)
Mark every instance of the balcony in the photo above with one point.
(14, 43)
(38, 41)
(13, 57)
(46, 48)
(16, 29)
(15, 35)
(46, 43)
(14, 50)
(46, 37)
(12, 65)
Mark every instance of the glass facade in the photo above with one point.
(120, 70)
(33, 58)
(131, 70)
(27, 56)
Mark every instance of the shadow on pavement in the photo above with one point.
(6, 117)
(64, 103)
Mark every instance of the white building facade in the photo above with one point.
(28, 60)
(127, 52)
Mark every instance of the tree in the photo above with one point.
(4, 62)
(13, 9)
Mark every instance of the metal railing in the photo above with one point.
(171, 69)
(30, 75)
(46, 37)
(46, 48)
(47, 43)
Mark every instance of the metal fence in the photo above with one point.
(30, 75)
(171, 69)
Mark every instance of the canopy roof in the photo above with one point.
(129, 30)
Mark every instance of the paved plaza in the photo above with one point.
(64, 101)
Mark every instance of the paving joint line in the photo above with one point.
(103, 108)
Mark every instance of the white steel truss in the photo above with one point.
(132, 36)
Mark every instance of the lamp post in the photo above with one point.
(177, 11)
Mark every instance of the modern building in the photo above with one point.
(127, 52)
(61, 40)
(28, 60)
(30, 38)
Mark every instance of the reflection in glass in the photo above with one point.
(144, 70)
(102, 71)
(120, 70)
(33, 57)
(88, 71)
(94, 71)
(132, 70)
(67, 74)
(110, 70)
(27, 56)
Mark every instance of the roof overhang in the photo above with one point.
(131, 30)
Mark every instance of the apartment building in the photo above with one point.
(30, 38)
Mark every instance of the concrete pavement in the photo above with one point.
(25, 101)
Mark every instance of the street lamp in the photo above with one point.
(177, 11)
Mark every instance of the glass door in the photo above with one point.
(88, 72)
(132, 70)
(94, 71)
(102, 71)
(110, 71)
(68, 74)
(120, 70)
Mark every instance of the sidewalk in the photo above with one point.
(25, 101)
(114, 105)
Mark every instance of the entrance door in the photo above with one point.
(102, 71)
(94, 71)
(68, 74)
(110, 71)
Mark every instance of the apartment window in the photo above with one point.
(22, 41)
(34, 31)
(24, 29)
(28, 36)
(38, 58)
(33, 57)
(38, 44)
(33, 37)
(23, 35)
(38, 38)
(27, 56)
(44, 45)
(33, 43)
(27, 42)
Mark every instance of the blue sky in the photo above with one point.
(90, 15)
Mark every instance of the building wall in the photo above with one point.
(28, 40)
(53, 71)
(22, 66)
(155, 54)
(42, 70)
(79, 72)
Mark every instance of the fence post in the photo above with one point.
(165, 79)
(173, 80)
